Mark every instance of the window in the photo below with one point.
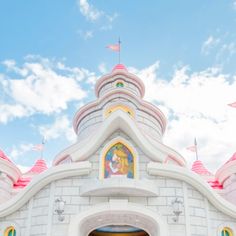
(119, 107)
(10, 231)
(119, 84)
(226, 232)
(119, 161)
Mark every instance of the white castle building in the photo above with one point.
(118, 179)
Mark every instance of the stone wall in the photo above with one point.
(37, 217)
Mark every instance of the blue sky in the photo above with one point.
(185, 52)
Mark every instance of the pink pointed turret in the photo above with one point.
(200, 169)
(25, 179)
(119, 67)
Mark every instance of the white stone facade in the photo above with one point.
(92, 201)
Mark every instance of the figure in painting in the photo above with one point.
(119, 162)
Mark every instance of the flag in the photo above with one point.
(194, 147)
(114, 47)
(38, 147)
(232, 104)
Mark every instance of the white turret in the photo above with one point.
(9, 174)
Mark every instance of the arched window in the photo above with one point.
(119, 107)
(226, 232)
(10, 231)
(119, 161)
(119, 84)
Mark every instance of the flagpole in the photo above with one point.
(43, 142)
(119, 42)
(195, 143)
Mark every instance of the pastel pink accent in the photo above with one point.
(233, 158)
(22, 182)
(38, 147)
(199, 168)
(232, 104)
(119, 67)
(3, 156)
(38, 167)
(114, 47)
(25, 179)
(192, 148)
(215, 184)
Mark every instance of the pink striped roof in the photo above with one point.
(3, 156)
(215, 184)
(37, 168)
(200, 169)
(119, 67)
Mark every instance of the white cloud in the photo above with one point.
(9, 112)
(104, 21)
(209, 44)
(86, 34)
(195, 105)
(45, 87)
(234, 5)
(89, 11)
(20, 150)
(11, 66)
(61, 127)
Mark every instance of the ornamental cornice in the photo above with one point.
(40, 181)
(148, 107)
(118, 120)
(114, 75)
(180, 173)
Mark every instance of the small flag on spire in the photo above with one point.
(194, 148)
(114, 47)
(38, 147)
(232, 104)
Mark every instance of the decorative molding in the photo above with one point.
(116, 75)
(10, 169)
(118, 120)
(118, 186)
(147, 107)
(196, 181)
(40, 181)
(119, 212)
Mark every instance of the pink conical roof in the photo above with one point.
(119, 67)
(199, 168)
(3, 156)
(38, 167)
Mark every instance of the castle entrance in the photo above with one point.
(116, 230)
